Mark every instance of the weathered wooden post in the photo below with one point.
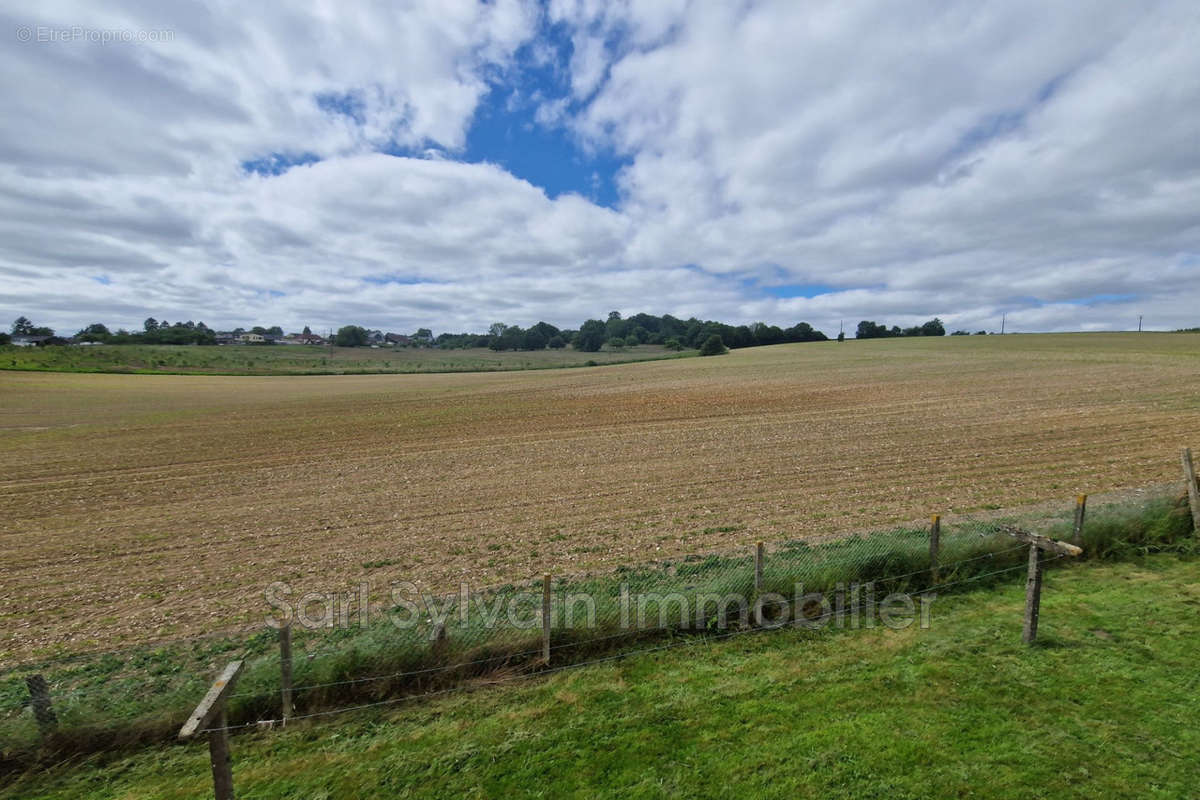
(1189, 475)
(935, 545)
(39, 701)
(546, 618)
(1033, 581)
(1080, 511)
(285, 672)
(212, 710)
(758, 568)
(1033, 595)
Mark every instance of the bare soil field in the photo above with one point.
(135, 508)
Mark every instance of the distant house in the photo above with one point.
(397, 339)
(251, 338)
(310, 338)
(28, 341)
(225, 337)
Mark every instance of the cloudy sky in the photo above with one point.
(451, 163)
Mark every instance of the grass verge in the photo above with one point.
(132, 698)
(1104, 705)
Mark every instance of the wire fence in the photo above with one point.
(424, 646)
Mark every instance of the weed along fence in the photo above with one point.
(421, 644)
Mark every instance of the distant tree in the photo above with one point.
(870, 330)
(591, 337)
(275, 330)
(497, 329)
(96, 332)
(511, 338)
(616, 343)
(534, 339)
(350, 336)
(803, 332)
(5, 339)
(713, 346)
(841, 336)
(546, 329)
(981, 333)
(556, 343)
(960, 333)
(423, 336)
(672, 344)
(260, 330)
(22, 326)
(307, 331)
(933, 328)
(151, 324)
(615, 327)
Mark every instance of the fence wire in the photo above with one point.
(146, 694)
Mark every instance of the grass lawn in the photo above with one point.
(1104, 706)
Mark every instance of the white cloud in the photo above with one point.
(1007, 156)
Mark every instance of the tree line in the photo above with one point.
(615, 332)
(618, 332)
(873, 330)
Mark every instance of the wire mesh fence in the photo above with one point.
(422, 644)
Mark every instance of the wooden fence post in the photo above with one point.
(39, 701)
(1033, 582)
(1189, 475)
(935, 545)
(1033, 595)
(758, 568)
(285, 672)
(546, 618)
(1080, 511)
(212, 711)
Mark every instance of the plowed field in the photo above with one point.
(140, 507)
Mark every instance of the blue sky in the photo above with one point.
(450, 164)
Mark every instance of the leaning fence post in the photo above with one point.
(1189, 475)
(1033, 583)
(39, 701)
(285, 671)
(212, 710)
(546, 619)
(758, 568)
(935, 545)
(1080, 511)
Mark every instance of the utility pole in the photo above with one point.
(1139, 323)
(1003, 321)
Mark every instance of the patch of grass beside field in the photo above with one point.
(307, 359)
(1103, 706)
(121, 700)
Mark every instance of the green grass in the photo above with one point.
(141, 696)
(1105, 705)
(306, 360)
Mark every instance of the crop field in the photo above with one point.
(306, 359)
(135, 508)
